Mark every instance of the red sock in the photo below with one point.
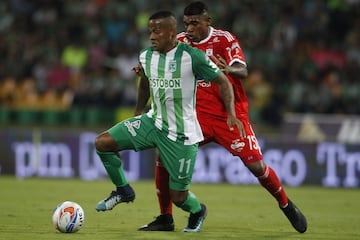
(271, 182)
(162, 188)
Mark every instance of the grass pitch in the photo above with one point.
(234, 211)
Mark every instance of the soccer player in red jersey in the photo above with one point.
(224, 49)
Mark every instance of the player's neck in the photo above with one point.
(206, 34)
(170, 47)
(208, 31)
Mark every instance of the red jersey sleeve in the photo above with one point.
(229, 48)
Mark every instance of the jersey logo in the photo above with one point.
(131, 126)
(209, 52)
(216, 39)
(237, 145)
(172, 66)
(202, 83)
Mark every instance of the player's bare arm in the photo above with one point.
(143, 93)
(237, 69)
(227, 95)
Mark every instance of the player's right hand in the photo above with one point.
(233, 121)
(138, 70)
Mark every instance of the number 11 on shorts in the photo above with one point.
(184, 165)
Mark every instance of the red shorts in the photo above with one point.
(216, 130)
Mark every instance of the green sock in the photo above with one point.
(191, 204)
(113, 166)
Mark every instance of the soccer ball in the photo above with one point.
(68, 217)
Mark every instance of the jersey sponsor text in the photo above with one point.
(165, 83)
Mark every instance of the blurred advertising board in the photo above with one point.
(321, 127)
(63, 153)
(69, 153)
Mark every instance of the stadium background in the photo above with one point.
(65, 74)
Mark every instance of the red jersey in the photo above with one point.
(208, 99)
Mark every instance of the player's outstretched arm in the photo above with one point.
(227, 95)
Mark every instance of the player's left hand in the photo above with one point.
(233, 121)
(222, 64)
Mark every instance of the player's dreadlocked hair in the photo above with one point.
(195, 8)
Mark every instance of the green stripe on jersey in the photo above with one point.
(178, 98)
(162, 93)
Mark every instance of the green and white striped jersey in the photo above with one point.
(172, 79)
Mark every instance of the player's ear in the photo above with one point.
(173, 34)
(209, 21)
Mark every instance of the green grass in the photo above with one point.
(234, 212)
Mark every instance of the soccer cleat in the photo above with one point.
(196, 220)
(163, 222)
(114, 199)
(296, 218)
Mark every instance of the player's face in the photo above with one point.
(196, 26)
(160, 35)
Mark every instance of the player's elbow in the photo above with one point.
(245, 73)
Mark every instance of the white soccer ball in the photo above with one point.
(68, 217)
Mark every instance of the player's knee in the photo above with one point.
(257, 168)
(105, 143)
(99, 143)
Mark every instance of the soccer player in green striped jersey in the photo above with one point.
(168, 72)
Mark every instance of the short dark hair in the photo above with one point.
(195, 8)
(161, 14)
